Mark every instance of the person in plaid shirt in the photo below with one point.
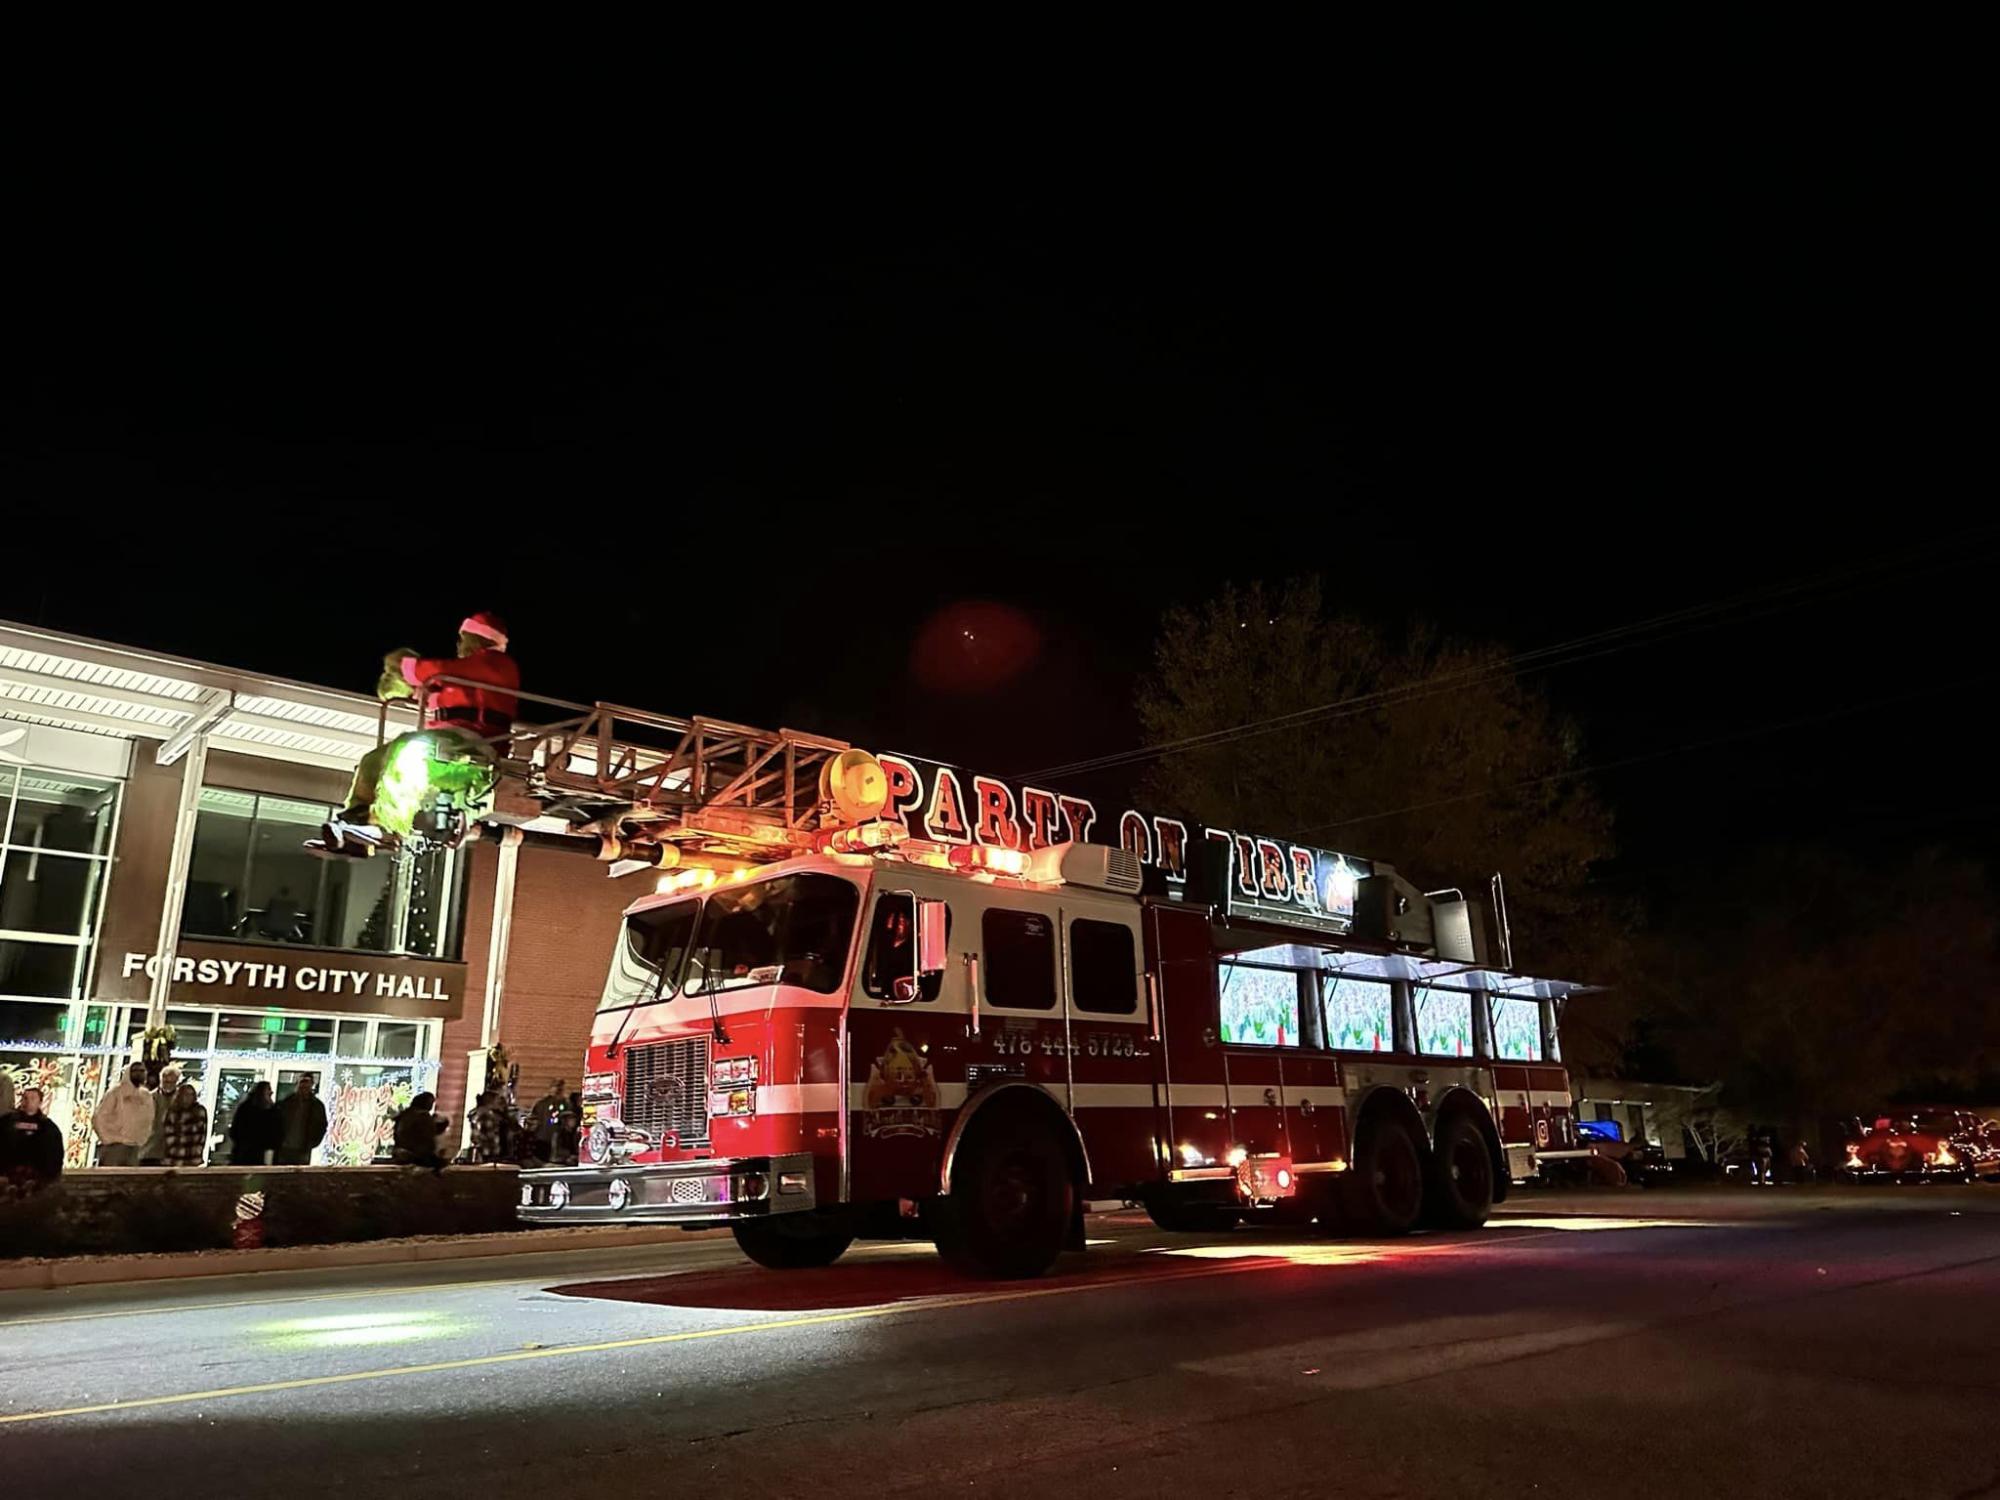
(184, 1133)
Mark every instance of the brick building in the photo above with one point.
(565, 920)
(153, 813)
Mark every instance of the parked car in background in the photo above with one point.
(1949, 1145)
(1641, 1161)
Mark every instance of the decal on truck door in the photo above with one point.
(902, 1096)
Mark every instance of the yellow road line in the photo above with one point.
(649, 1341)
(693, 1335)
(283, 1298)
(201, 1307)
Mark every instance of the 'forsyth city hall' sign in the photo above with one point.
(223, 974)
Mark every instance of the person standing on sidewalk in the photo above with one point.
(31, 1145)
(303, 1121)
(255, 1131)
(154, 1152)
(184, 1133)
(123, 1119)
(544, 1119)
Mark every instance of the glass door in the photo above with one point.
(285, 1082)
(232, 1087)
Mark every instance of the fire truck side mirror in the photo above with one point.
(930, 938)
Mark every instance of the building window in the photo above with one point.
(191, 1027)
(251, 879)
(399, 1039)
(1360, 1014)
(270, 1032)
(1260, 1007)
(1517, 1029)
(1103, 974)
(55, 848)
(29, 1021)
(1444, 1022)
(1020, 952)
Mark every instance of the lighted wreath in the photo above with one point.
(156, 1045)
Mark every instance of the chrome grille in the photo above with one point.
(666, 1089)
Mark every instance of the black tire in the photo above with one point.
(1386, 1188)
(791, 1242)
(1188, 1218)
(1460, 1192)
(1008, 1214)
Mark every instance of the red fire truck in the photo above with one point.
(898, 999)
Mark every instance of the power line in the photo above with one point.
(1652, 755)
(1562, 653)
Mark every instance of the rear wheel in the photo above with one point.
(1386, 1187)
(791, 1242)
(1011, 1201)
(1460, 1193)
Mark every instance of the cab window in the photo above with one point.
(793, 930)
(892, 951)
(1019, 948)
(1102, 971)
(648, 963)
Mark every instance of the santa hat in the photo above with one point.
(486, 625)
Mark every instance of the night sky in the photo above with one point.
(744, 423)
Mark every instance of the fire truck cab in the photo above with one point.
(966, 1041)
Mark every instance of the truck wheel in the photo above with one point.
(1460, 1192)
(790, 1242)
(1011, 1201)
(1386, 1187)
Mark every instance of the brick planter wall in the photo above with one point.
(128, 1210)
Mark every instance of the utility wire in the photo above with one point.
(1562, 653)
(1807, 721)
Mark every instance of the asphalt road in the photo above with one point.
(1619, 1344)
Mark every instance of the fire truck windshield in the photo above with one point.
(648, 964)
(796, 929)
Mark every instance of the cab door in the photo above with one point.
(1110, 1056)
(1193, 1105)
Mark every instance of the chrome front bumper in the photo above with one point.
(714, 1190)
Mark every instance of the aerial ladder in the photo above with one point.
(648, 789)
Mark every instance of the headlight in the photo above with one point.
(620, 1193)
(597, 1143)
(1942, 1157)
(558, 1194)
